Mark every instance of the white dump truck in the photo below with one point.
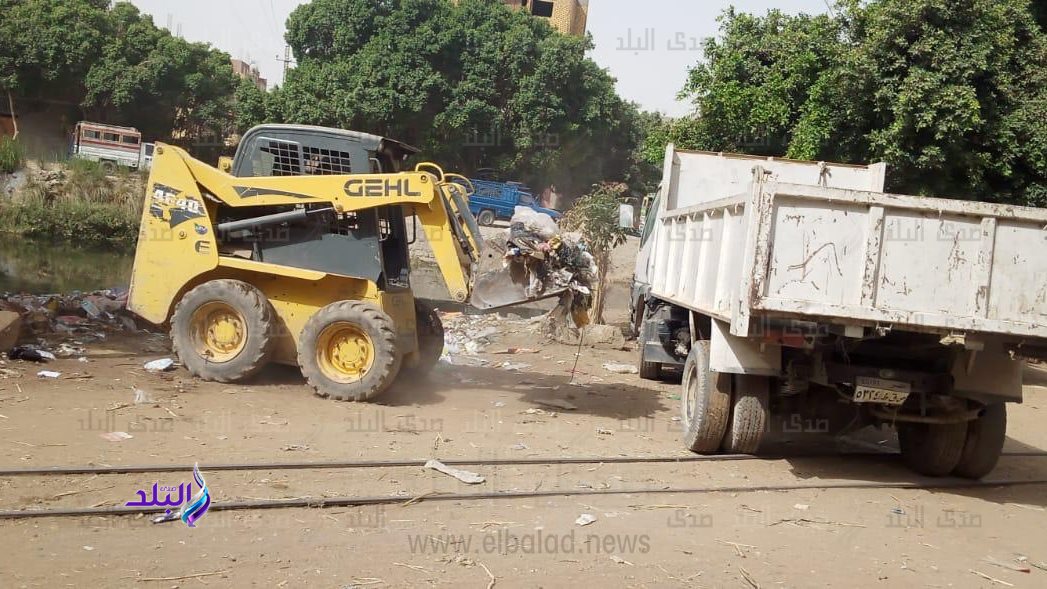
(801, 287)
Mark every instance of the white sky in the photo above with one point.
(650, 68)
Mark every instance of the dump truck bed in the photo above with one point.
(853, 257)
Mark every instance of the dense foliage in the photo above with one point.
(114, 65)
(472, 83)
(952, 95)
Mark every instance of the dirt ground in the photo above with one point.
(478, 408)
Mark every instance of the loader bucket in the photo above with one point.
(497, 284)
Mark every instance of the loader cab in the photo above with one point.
(371, 244)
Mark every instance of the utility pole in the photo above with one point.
(287, 59)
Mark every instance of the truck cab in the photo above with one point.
(497, 201)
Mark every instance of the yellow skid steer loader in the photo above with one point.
(296, 251)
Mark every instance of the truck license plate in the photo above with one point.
(879, 390)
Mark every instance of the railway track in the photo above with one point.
(923, 483)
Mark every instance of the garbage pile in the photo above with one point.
(86, 316)
(468, 334)
(553, 260)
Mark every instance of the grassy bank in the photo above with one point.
(11, 155)
(77, 203)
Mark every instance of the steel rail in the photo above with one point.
(248, 466)
(327, 502)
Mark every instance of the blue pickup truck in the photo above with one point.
(494, 201)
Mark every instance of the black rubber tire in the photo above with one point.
(750, 410)
(430, 338)
(381, 330)
(486, 217)
(108, 167)
(932, 449)
(705, 401)
(257, 313)
(648, 370)
(985, 438)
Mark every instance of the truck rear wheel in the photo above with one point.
(985, 437)
(430, 338)
(648, 370)
(222, 330)
(706, 401)
(749, 410)
(347, 351)
(486, 217)
(932, 449)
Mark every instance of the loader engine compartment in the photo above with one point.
(370, 244)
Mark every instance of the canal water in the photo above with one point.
(37, 267)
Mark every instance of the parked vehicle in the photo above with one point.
(111, 146)
(496, 201)
(811, 292)
(300, 256)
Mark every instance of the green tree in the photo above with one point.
(47, 47)
(115, 65)
(474, 84)
(950, 94)
(595, 216)
(250, 105)
(757, 80)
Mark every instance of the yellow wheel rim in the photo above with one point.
(344, 352)
(219, 331)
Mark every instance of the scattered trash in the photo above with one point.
(88, 548)
(75, 312)
(898, 511)
(517, 351)
(621, 368)
(127, 323)
(115, 436)
(585, 519)
(990, 579)
(519, 446)
(66, 350)
(558, 403)
(801, 506)
(621, 560)
(516, 367)
(70, 320)
(604, 431)
(141, 397)
(470, 478)
(48, 374)
(499, 404)
(1021, 568)
(29, 354)
(295, 448)
(91, 309)
(159, 365)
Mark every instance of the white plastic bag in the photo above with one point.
(540, 224)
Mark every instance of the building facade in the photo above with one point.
(249, 72)
(567, 16)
